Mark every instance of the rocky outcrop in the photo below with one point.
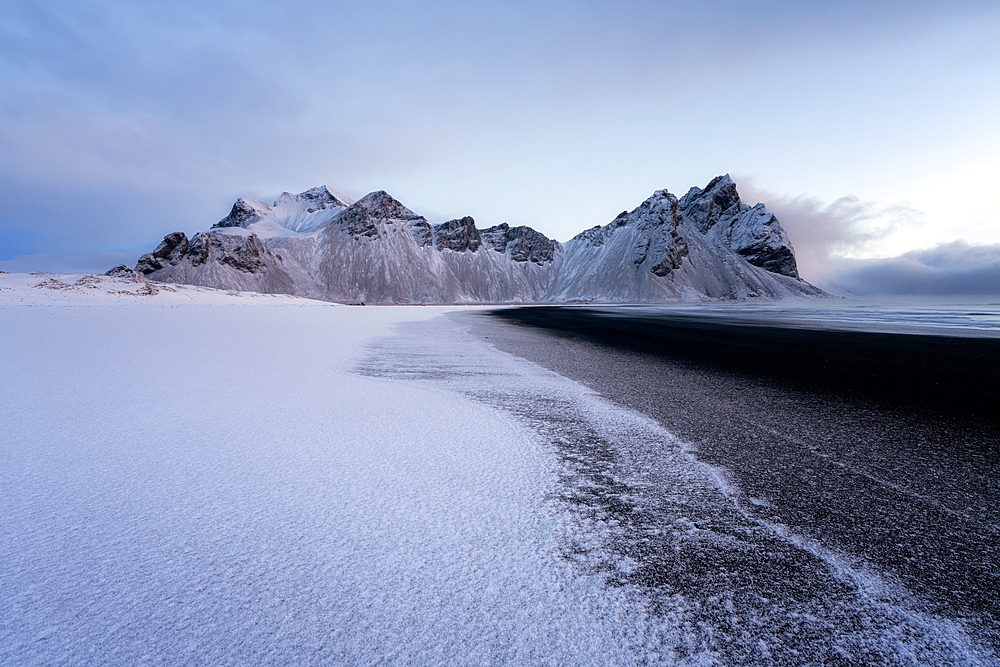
(752, 232)
(458, 235)
(247, 254)
(170, 251)
(122, 271)
(243, 253)
(521, 244)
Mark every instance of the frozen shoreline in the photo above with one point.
(895, 474)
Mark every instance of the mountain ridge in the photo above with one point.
(706, 245)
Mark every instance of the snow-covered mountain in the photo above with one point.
(706, 245)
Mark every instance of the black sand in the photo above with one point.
(884, 447)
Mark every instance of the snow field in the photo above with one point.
(210, 485)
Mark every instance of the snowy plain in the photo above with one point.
(194, 476)
(197, 477)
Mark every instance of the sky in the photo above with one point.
(870, 128)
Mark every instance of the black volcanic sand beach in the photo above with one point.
(881, 447)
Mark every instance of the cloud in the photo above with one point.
(125, 121)
(821, 233)
(959, 268)
(825, 236)
(68, 262)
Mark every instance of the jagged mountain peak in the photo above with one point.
(363, 217)
(318, 198)
(705, 207)
(296, 213)
(750, 231)
(244, 213)
(380, 205)
(720, 183)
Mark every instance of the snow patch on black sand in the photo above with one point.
(678, 571)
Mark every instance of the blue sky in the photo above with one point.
(870, 128)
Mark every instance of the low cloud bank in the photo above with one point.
(822, 233)
(958, 267)
(68, 262)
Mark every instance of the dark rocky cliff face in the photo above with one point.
(660, 215)
(752, 232)
(247, 254)
(759, 238)
(458, 235)
(525, 244)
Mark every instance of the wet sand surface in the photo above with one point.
(879, 451)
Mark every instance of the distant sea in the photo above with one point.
(977, 317)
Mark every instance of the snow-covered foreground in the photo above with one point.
(185, 483)
(189, 476)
